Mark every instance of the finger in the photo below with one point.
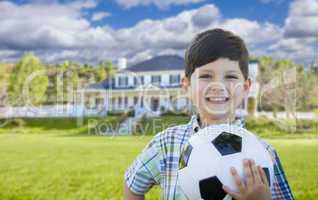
(255, 172)
(263, 175)
(248, 173)
(234, 195)
(237, 179)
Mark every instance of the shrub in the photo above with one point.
(16, 123)
(251, 106)
(174, 113)
(316, 112)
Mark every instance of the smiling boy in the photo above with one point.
(216, 81)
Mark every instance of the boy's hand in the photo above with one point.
(256, 186)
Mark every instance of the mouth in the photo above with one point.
(217, 99)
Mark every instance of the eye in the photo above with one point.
(203, 76)
(231, 77)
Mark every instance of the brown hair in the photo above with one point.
(211, 45)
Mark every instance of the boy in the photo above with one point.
(216, 81)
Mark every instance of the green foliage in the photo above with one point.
(5, 71)
(66, 78)
(28, 82)
(303, 92)
(64, 82)
(13, 123)
(73, 126)
(251, 106)
(173, 113)
(103, 71)
(266, 127)
(316, 112)
(130, 113)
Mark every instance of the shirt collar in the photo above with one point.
(195, 123)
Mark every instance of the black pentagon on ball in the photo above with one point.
(211, 189)
(184, 157)
(228, 143)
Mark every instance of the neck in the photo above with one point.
(206, 121)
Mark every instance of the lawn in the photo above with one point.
(62, 166)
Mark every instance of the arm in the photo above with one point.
(129, 195)
(281, 189)
(140, 176)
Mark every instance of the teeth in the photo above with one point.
(216, 98)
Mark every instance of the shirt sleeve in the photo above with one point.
(144, 171)
(280, 189)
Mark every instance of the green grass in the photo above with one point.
(59, 166)
(74, 126)
(151, 126)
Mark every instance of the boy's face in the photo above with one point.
(217, 89)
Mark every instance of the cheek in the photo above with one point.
(235, 89)
(197, 91)
(238, 94)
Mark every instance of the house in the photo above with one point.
(150, 87)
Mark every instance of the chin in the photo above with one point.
(218, 115)
(217, 110)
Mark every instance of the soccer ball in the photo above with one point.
(206, 160)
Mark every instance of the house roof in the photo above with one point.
(159, 63)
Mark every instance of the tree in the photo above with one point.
(103, 71)
(5, 70)
(64, 82)
(28, 82)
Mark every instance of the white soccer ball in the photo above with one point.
(206, 160)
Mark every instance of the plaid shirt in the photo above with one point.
(159, 162)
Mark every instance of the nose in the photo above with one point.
(218, 90)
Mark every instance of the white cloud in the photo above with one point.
(300, 40)
(31, 26)
(99, 16)
(84, 4)
(205, 15)
(66, 33)
(162, 4)
(302, 20)
(253, 32)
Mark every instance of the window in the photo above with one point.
(112, 83)
(156, 79)
(126, 101)
(123, 81)
(113, 103)
(135, 100)
(142, 102)
(174, 79)
(139, 80)
(119, 101)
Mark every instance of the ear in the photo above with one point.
(185, 83)
(247, 85)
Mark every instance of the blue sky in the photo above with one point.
(89, 31)
(121, 16)
(249, 9)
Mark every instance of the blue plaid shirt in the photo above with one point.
(159, 162)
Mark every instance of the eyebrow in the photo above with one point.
(232, 71)
(206, 71)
